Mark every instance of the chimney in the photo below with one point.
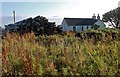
(14, 16)
(94, 17)
(119, 4)
(98, 17)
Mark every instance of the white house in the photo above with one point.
(80, 24)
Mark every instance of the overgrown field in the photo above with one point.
(61, 54)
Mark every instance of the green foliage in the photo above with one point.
(61, 55)
(95, 27)
(40, 72)
(113, 16)
(65, 71)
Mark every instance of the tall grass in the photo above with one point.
(59, 55)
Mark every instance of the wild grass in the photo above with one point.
(60, 55)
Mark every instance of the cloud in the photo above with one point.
(56, 16)
(57, 20)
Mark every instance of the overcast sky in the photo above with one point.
(54, 10)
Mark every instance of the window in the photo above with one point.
(87, 27)
(74, 28)
(82, 28)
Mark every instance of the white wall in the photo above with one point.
(79, 28)
(102, 25)
(108, 25)
(65, 27)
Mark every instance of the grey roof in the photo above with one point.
(80, 21)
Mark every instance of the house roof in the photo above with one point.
(80, 21)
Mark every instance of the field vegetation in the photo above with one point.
(92, 52)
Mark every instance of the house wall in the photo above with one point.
(65, 27)
(79, 28)
(108, 24)
(102, 25)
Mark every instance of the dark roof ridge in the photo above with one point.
(80, 21)
(80, 18)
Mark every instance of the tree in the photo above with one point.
(113, 16)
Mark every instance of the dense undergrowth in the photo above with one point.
(61, 54)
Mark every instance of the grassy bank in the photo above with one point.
(61, 54)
